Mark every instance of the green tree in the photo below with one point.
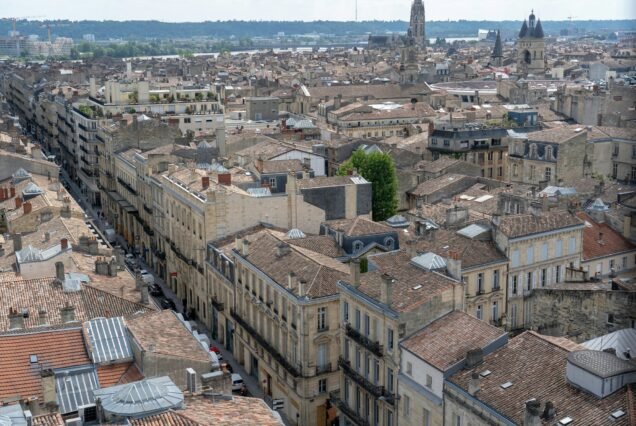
(379, 169)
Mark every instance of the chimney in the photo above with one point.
(282, 249)
(48, 387)
(64, 243)
(225, 179)
(532, 413)
(474, 357)
(27, 207)
(43, 317)
(18, 202)
(627, 226)
(59, 271)
(474, 385)
(5, 191)
(138, 280)
(205, 182)
(549, 412)
(245, 250)
(17, 242)
(47, 236)
(259, 164)
(291, 280)
(67, 313)
(302, 286)
(354, 268)
(454, 265)
(144, 292)
(386, 290)
(16, 319)
(11, 191)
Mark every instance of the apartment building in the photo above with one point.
(469, 255)
(550, 156)
(485, 147)
(430, 356)
(378, 309)
(286, 315)
(540, 248)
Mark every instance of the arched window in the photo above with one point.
(389, 242)
(357, 246)
(548, 153)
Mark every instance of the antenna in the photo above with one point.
(356, 10)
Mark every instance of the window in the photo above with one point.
(559, 248)
(513, 316)
(457, 420)
(544, 277)
(367, 325)
(358, 359)
(529, 281)
(615, 170)
(515, 258)
(272, 182)
(426, 417)
(530, 255)
(357, 319)
(490, 156)
(367, 366)
(515, 281)
(495, 280)
(389, 418)
(624, 262)
(346, 349)
(548, 174)
(322, 318)
(346, 390)
(389, 243)
(495, 311)
(429, 381)
(633, 175)
(376, 372)
(376, 413)
(478, 313)
(357, 246)
(345, 311)
(480, 283)
(544, 251)
(322, 386)
(409, 368)
(446, 142)
(407, 405)
(548, 153)
(389, 379)
(532, 172)
(433, 141)
(500, 171)
(389, 340)
(515, 171)
(557, 274)
(572, 245)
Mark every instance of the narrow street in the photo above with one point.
(253, 386)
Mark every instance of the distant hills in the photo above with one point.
(149, 30)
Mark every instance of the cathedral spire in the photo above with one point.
(498, 50)
(418, 23)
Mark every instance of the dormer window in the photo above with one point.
(389, 242)
(357, 246)
(533, 151)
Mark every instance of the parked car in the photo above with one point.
(167, 304)
(217, 352)
(237, 382)
(130, 260)
(147, 277)
(156, 291)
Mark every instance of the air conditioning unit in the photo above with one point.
(73, 422)
(88, 413)
(191, 380)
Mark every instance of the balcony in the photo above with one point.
(323, 369)
(291, 369)
(219, 306)
(127, 186)
(371, 345)
(347, 411)
(375, 390)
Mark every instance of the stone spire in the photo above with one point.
(497, 52)
(524, 29)
(417, 25)
(538, 30)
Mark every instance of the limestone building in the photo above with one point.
(531, 47)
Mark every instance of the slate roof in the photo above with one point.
(44, 293)
(412, 286)
(54, 349)
(320, 272)
(520, 225)
(620, 340)
(595, 247)
(445, 342)
(536, 369)
(601, 364)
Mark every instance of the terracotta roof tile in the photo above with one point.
(445, 341)
(527, 224)
(536, 368)
(611, 243)
(54, 349)
(169, 418)
(118, 374)
(239, 411)
(48, 420)
(359, 226)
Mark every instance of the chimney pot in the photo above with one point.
(474, 385)
(27, 207)
(225, 179)
(205, 182)
(532, 413)
(302, 286)
(17, 242)
(354, 267)
(64, 243)
(59, 271)
(67, 313)
(18, 202)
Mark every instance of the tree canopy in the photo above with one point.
(379, 169)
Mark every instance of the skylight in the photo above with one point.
(565, 421)
(485, 373)
(618, 414)
(506, 385)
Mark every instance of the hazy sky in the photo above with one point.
(340, 10)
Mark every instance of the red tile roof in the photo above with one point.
(48, 420)
(118, 374)
(611, 243)
(54, 349)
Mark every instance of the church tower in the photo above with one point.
(531, 47)
(417, 27)
(497, 52)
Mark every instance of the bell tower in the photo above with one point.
(417, 26)
(531, 47)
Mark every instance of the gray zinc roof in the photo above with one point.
(620, 340)
(74, 388)
(430, 261)
(143, 398)
(108, 340)
(601, 364)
